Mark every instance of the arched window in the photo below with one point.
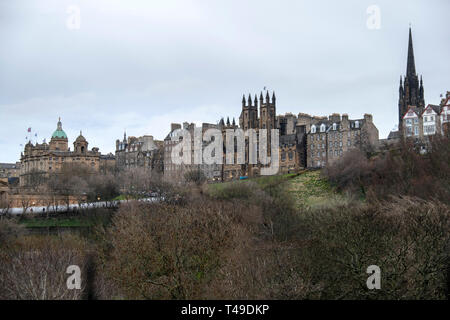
(334, 126)
(322, 128)
(313, 129)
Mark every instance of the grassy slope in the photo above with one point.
(310, 190)
(263, 182)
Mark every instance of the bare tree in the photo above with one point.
(5, 203)
(35, 268)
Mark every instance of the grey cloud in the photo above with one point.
(139, 65)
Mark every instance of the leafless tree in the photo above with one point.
(35, 268)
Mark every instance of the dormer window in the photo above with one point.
(322, 128)
(334, 126)
(313, 129)
(356, 124)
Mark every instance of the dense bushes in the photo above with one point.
(407, 238)
(267, 249)
(250, 240)
(163, 251)
(34, 267)
(399, 171)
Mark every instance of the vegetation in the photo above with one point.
(403, 170)
(306, 236)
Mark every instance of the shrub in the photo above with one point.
(162, 251)
(34, 268)
(399, 171)
(408, 238)
(195, 176)
(9, 230)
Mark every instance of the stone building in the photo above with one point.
(10, 170)
(44, 159)
(411, 92)
(304, 140)
(267, 119)
(230, 171)
(420, 123)
(107, 163)
(176, 172)
(329, 139)
(140, 152)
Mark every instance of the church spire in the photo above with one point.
(411, 65)
(411, 93)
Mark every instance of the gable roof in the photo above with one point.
(393, 135)
(413, 109)
(435, 108)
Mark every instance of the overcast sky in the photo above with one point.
(140, 65)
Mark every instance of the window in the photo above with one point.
(429, 129)
(322, 128)
(408, 122)
(416, 130)
(356, 124)
(313, 129)
(416, 120)
(408, 131)
(334, 126)
(291, 155)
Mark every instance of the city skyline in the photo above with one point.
(106, 77)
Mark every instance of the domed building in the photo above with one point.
(44, 159)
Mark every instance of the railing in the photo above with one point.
(72, 207)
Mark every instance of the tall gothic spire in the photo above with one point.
(411, 90)
(411, 65)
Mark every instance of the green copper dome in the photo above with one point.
(59, 132)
